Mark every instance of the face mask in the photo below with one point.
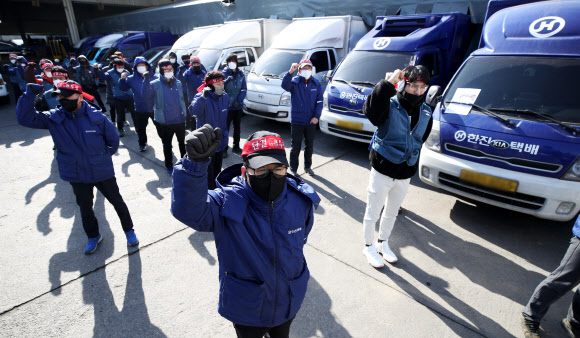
(23, 65)
(232, 65)
(13, 61)
(306, 74)
(68, 105)
(186, 62)
(409, 100)
(197, 69)
(267, 188)
(83, 62)
(72, 59)
(48, 74)
(120, 70)
(55, 82)
(168, 75)
(172, 60)
(142, 69)
(219, 90)
(56, 60)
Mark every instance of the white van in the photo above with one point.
(323, 40)
(246, 38)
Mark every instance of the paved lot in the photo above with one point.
(464, 270)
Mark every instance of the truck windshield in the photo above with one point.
(515, 86)
(277, 62)
(208, 57)
(101, 56)
(366, 67)
(92, 53)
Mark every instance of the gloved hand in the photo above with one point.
(33, 88)
(146, 75)
(202, 143)
(206, 92)
(236, 104)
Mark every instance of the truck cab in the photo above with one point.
(506, 131)
(437, 41)
(322, 40)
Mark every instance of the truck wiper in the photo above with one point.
(349, 84)
(364, 82)
(272, 75)
(488, 112)
(544, 116)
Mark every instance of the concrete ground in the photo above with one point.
(463, 270)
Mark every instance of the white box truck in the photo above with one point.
(323, 40)
(246, 38)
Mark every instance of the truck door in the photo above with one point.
(321, 61)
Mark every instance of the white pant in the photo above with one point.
(387, 191)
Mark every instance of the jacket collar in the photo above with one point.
(301, 79)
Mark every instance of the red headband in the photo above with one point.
(266, 142)
(70, 86)
(60, 74)
(47, 65)
(212, 81)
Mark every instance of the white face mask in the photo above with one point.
(23, 65)
(48, 74)
(142, 69)
(172, 60)
(72, 59)
(56, 60)
(306, 74)
(120, 70)
(168, 75)
(13, 61)
(55, 82)
(232, 65)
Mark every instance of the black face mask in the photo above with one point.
(267, 188)
(410, 101)
(186, 62)
(84, 63)
(197, 69)
(68, 105)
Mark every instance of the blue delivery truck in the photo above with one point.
(438, 41)
(134, 45)
(506, 131)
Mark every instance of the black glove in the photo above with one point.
(34, 88)
(146, 75)
(206, 92)
(202, 143)
(236, 104)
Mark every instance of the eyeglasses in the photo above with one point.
(263, 171)
(416, 87)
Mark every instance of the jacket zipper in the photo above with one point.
(275, 260)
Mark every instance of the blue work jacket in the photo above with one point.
(263, 273)
(212, 110)
(306, 98)
(235, 87)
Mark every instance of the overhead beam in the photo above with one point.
(73, 31)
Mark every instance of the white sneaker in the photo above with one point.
(373, 257)
(385, 251)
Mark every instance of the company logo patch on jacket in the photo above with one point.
(90, 131)
(290, 232)
(427, 112)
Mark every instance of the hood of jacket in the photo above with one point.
(140, 59)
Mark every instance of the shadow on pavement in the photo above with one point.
(63, 199)
(133, 319)
(349, 204)
(480, 265)
(315, 318)
(198, 240)
(163, 180)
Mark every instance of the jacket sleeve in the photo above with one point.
(191, 202)
(111, 136)
(182, 100)
(27, 115)
(243, 91)
(287, 82)
(124, 84)
(197, 109)
(318, 107)
(147, 89)
(378, 103)
(309, 222)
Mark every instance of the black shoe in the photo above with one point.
(237, 150)
(309, 171)
(530, 328)
(572, 332)
(294, 173)
(142, 148)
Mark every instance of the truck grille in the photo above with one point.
(513, 161)
(366, 135)
(344, 109)
(517, 199)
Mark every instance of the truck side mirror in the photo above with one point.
(433, 96)
(328, 75)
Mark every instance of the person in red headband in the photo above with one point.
(85, 141)
(260, 217)
(403, 123)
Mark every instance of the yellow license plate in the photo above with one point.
(488, 181)
(349, 125)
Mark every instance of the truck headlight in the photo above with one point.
(434, 140)
(325, 100)
(285, 99)
(573, 174)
